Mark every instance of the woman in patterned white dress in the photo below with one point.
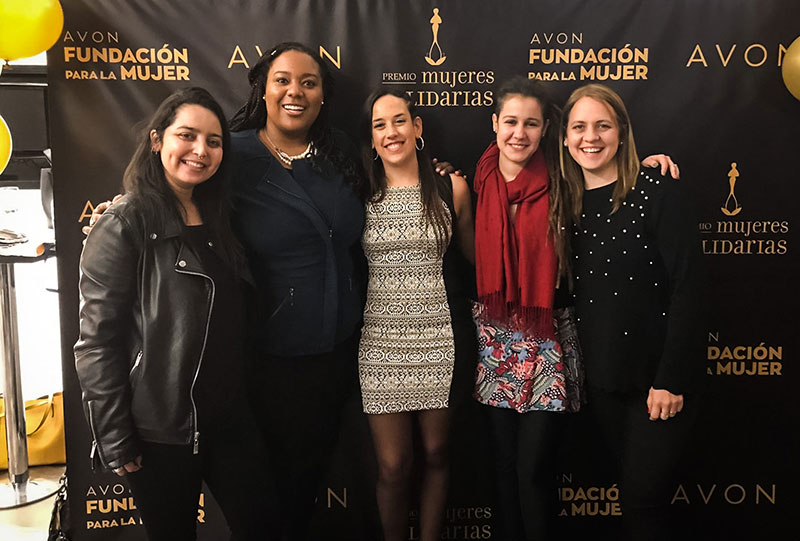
(406, 353)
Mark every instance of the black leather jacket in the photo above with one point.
(145, 308)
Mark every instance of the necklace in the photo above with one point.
(286, 158)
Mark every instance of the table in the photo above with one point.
(23, 486)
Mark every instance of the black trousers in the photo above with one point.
(525, 477)
(231, 460)
(301, 424)
(647, 454)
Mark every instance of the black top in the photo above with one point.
(638, 286)
(301, 233)
(220, 382)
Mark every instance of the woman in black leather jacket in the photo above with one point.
(159, 357)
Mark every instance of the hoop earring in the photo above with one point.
(421, 144)
(375, 150)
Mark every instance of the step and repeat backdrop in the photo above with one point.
(702, 80)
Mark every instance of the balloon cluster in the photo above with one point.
(27, 27)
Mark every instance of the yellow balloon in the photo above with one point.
(5, 144)
(790, 68)
(28, 27)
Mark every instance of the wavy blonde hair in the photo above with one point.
(626, 157)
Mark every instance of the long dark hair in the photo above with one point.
(144, 177)
(431, 185)
(253, 114)
(558, 218)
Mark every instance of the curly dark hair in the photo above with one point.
(253, 114)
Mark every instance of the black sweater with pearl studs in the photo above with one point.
(638, 288)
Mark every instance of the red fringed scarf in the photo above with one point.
(516, 261)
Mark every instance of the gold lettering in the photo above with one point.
(697, 56)
(325, 54)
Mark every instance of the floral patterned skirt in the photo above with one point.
(526, 373)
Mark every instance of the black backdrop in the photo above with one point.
(702, 82)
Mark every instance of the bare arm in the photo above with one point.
(464, 222)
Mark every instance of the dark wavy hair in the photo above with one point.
(145, 180)
(253, 114)
(373, 187)
(558, 192)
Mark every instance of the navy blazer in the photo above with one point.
(307, 265)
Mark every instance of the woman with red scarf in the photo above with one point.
(519, 253)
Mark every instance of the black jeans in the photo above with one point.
(525, 498)
(232, 462)
(301, 423)
(647, 455)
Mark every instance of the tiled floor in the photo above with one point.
(40, 352)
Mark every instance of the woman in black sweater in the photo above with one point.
(638, 280)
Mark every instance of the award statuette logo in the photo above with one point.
(733, 174)
(435, 21)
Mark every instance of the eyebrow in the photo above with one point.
(523, 118)
(302, 75)
(190, 128)
(398, 115)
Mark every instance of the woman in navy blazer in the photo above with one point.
(300, 221)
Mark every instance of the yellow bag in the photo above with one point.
(44, 419)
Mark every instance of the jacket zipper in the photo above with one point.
(95, 452)
(136, 363)
(289, 297)
(195, 431)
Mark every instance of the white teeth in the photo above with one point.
(196, 165)
(393, 146)
(290, 107)
(591, 150)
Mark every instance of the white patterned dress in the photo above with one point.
(406, 354)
